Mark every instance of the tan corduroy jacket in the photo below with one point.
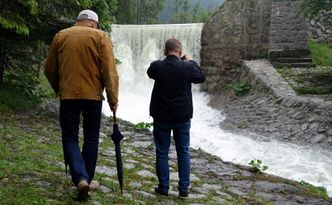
(81, 63)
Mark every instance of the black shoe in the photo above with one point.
(160, 192)
(183, 194)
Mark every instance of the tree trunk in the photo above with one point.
(2, 65)
(1, 76)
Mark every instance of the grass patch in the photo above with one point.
(313, 80)
(312, 190)
(317, 80)
(321, 53)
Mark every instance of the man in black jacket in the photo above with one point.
(171, 108)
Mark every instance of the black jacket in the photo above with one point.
(171, 99)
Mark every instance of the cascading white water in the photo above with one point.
(137, 46)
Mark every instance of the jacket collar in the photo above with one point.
(82, 23)
(172, 57)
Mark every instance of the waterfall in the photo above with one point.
(137, 46)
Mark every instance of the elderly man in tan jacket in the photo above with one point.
(79, 66)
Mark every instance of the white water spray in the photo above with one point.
(137, 46)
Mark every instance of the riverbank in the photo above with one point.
(32, 170)
(272, 108)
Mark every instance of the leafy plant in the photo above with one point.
(143, 125)
(257, 166)
(241, 88)
(118, 61)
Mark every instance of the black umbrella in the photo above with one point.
(116, 138)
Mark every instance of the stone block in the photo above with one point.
(318, 139)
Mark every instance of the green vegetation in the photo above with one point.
(185, 14)
(242, 88)
(313, 8)
(32, 169)
(312, 80)
(321, 53)
(26, 27)
(23, 94)
(143, 125)
(313, 190)
(257, 166)
(139, 11)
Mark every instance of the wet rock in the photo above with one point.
(145, 174)
(317, 139)
(304, 126)
(198, 161)
(196, 196)
(211, 186)
(106, 170)
(219, 200)
(141, 144)
(236, 191)
(329, 132)
(131, 161)
(314, 126)
(270, 187)
(329, 140)
(224, 195)
(135, 184)
(174, 176)
(44, 184)
(145, 194)
(108, 153)
(129, 166)
(104, 189)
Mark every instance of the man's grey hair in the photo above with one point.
(173, 44)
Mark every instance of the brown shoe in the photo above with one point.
(94, 185)
(83, 190)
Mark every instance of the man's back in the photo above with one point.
(171, 99)
(83, 57)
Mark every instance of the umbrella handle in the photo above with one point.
(114, 117)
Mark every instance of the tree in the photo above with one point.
(26, 26)
(139, 11)
(149, 10)
(127, 12)
(312, 8)
(184, 13)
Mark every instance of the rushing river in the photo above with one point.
(137, 46)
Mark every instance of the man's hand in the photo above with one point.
(114, 107)
(188, 58)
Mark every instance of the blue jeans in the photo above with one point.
(162, 139)
(81, 165)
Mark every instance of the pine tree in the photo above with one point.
(26, 26)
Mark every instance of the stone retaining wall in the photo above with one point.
(320, 32)
(238, 30)
(250, 29)
(303, 118)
